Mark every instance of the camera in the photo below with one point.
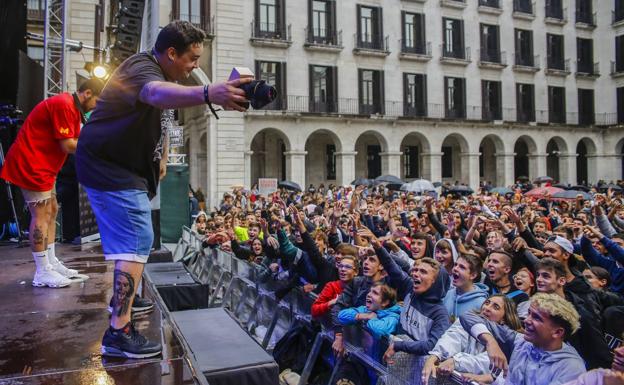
(258, 92)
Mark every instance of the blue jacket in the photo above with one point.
(594, 258)
(457, 305)
(384, 325)
(528, 365)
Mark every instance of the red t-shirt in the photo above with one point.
(36, 156)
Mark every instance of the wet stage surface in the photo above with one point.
(53, 336)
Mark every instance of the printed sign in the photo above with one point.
(267, 186)
(176, 137)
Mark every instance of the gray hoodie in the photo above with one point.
(528, 365)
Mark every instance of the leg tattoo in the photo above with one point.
(123, 291)
(37, 236)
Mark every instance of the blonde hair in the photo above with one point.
(561, 311)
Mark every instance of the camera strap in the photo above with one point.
(83, 118)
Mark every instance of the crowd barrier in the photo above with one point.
(234, 285)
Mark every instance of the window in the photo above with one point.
(586, 106)
(415, 94)
(413, 31)
(525, 102)
(35, 52)
(371, 91)
(373, 158)
(585, 55)
(36, 10)
(554, 49)
(274, 73)
(369, 27)
(453, 38)
(323, 89)
(524, 6)
(620, 106)
(330, 161)
(194, 11)
(584, 13)
(270, 19)
(322, 25)
(554, 9)
(491, 100)
(410, 162)
(618, 14)
(455, 97)
(490, 43)
(556, 105)
(447, 162)
(524, 47)
(619, 53)
(490, 3)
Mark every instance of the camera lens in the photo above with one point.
(258, 93)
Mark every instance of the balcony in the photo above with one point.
(523, 9)
(35, 11)
(270, 35)
(556, 16)
(588, 70)
(526, 63)
(411, 50)
(585, 20)
(306, 106)
(617, 17)
(458, 56)
(617, 69)
(557, 67)
(371, 45)
(323, 40)
(490, 6)
(458, 4)
(492, 59)
(204, 23)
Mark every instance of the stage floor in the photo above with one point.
(52, 336)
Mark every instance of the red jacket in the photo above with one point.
(321, 306)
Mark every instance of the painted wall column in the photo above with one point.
(247, 182)
(391, 163)
(505, 169)
(470, 169)
(345, 167)
(295, 167)
(567, 168)
(432, 166)
(537, 165)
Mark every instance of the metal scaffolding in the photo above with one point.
(54, 47)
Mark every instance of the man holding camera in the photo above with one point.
(122, 155)
(49, 133)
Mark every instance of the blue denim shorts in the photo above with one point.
(124, 219)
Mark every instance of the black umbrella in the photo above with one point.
(394, 186)
(579, 188)
(388, 179)
(571, 194)
(543, 179)
(562, 185)
(612, 186)
(522, 178)
(289, 185)
(362, 182)
(437, 184)
(460, 190)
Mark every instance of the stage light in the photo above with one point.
(99, 71)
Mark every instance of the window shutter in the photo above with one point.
(461, 39)
(462, 95)
(424, 95)
(530, 43)
(257, 19)
(332, 23)
(334, 89)
(283, 85)
(403, 31)
(175, 9)
(446, 95)
(382, 101)
(310, 21)
(311, 84)
(485, 102)
(422, 38)
(380, 35)
(359, 25)
(205, 15)
(360, 90)
(258, 70)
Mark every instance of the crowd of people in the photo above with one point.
(501, 288)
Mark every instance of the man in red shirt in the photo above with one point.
(49, 133)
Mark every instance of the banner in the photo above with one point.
(267, 186)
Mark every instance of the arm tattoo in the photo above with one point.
(37, 236)
(123, 291)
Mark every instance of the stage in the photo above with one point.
(52, 336)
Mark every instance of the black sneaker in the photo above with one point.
(139, 305)
(127, 342)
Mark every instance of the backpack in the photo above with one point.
(291, 351)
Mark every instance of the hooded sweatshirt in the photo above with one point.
(384, 325)
(528, 364)
(453, 249)
(424, 318)
(457, 304)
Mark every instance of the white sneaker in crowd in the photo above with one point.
(50, 277)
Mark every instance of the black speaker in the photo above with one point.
(130, 25)
(127, 32)
(132, 8)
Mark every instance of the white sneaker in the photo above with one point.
(64, 271)
(50, 277)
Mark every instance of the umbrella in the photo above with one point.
(391, 179)
(543, 179)
(437, 184)
(501, 190)
(394, 186)
(459, 190)
(541, 192)
(362, 182)
(580, 188)
(570, 194)
(418, 186)
(289, 185)
(605, 187)
(522, 178)
(562, 185)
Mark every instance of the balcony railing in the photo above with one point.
(455, 53)
(490, 3)
(523, 6)
(586, 18)
(415, 47)
(399, 109)
(492, 56)
(526, 61)
(590, 69)
(557, 13)
(202, 22)
(617, 67)
(558, 64)
(270, 31)
(369, 41)
(617, 15)
(320, 36)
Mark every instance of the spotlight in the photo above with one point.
(99, 71)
